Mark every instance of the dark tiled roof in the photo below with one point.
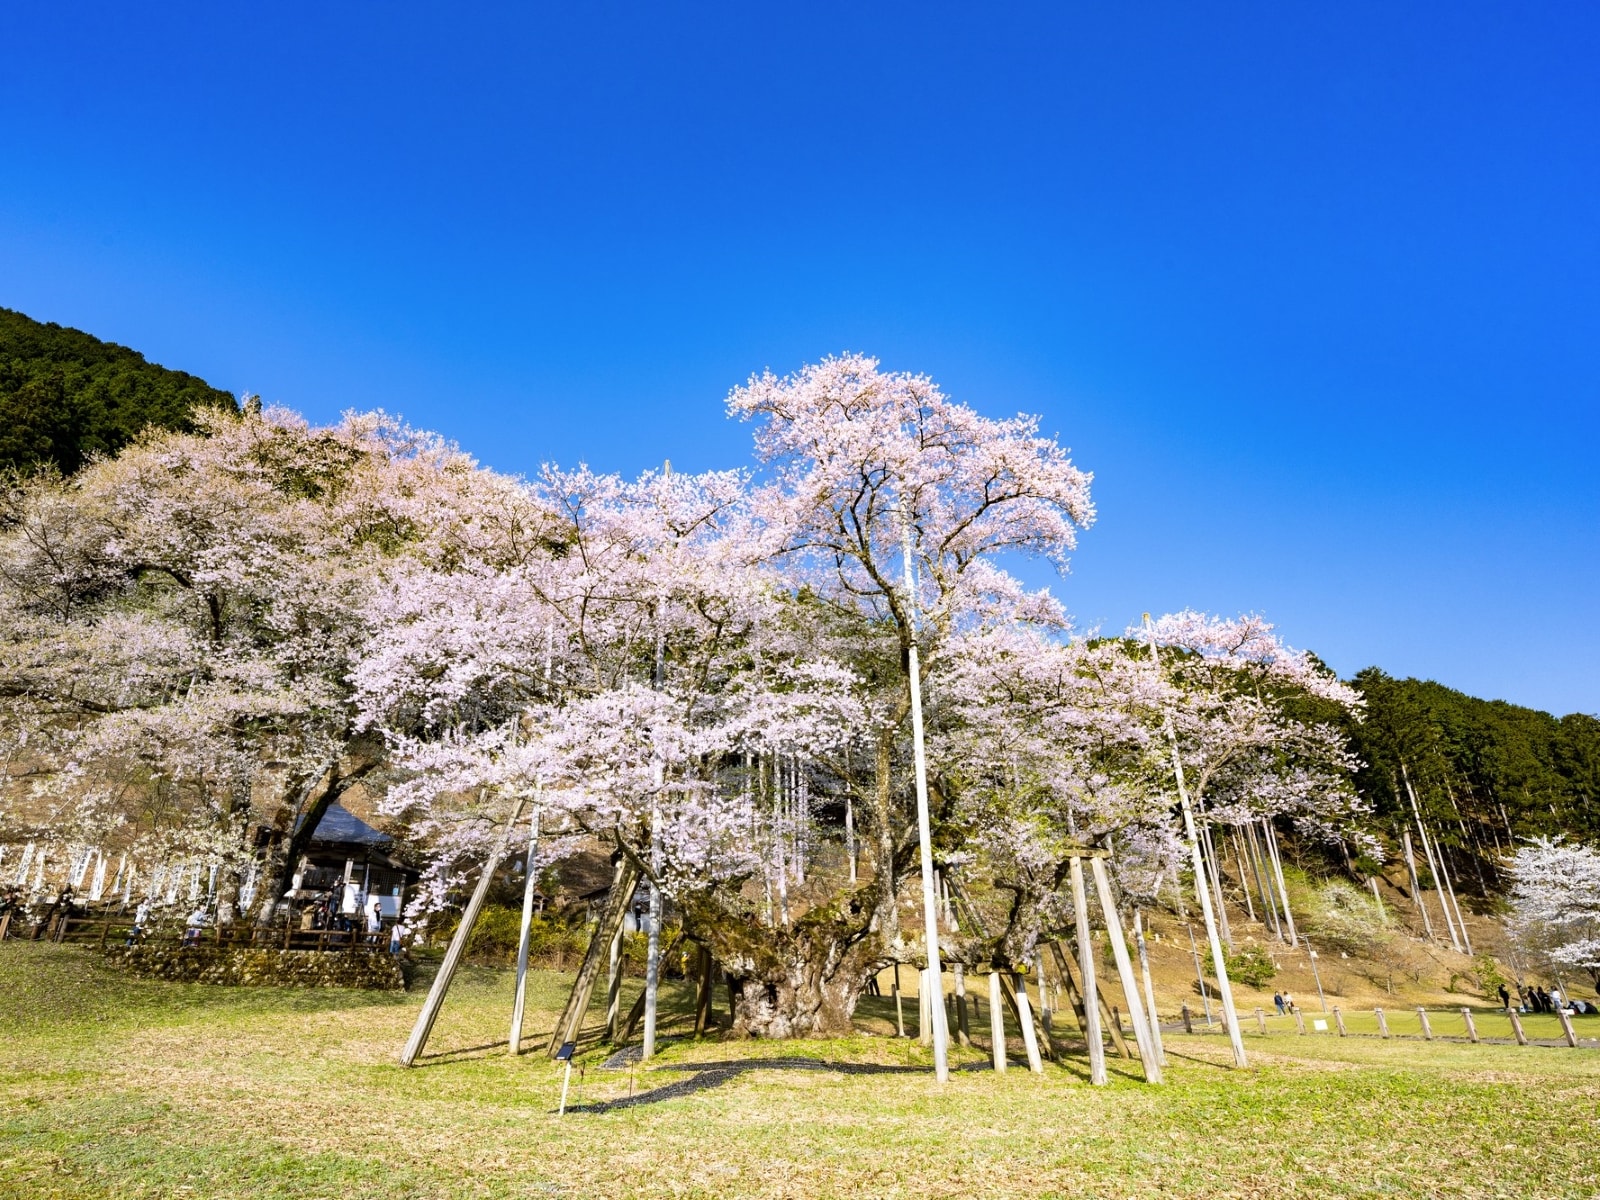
(341, 825)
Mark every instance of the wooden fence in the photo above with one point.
(111, 930)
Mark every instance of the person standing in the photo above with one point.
(1277, 998)
(141, 918)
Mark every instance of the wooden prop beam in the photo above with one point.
(1130, 987)
(1025, 1018)
(611, 919)
(702, 1000)
(529, 886)
(637, 1011)
(1080, 906)
(458, 946)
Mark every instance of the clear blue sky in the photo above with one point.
(1316, 296)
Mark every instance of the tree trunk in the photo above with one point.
(798, 986)
(278, 870)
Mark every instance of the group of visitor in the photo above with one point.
(1284, 1002)
(1535, 999)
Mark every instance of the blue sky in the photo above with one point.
(1315, 295)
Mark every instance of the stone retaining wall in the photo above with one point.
(241, 966)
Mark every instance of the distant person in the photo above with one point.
(394, 938)
(1555, 999)
(141, 918)
(1288, 1001)
(1277, 998)
(193, 926)
(374, 919)
(1505, 998)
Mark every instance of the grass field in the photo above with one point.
(111, 1087)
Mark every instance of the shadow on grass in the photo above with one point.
(706, 1075)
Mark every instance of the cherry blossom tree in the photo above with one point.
(1555, 904)
(181, 621)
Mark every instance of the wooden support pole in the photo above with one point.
(1091, 1025)
(614, 981)
(612, 915)
(1074, 995)
(1427, 1029)
(1030, 1041)
(1416, 882)
(1299, 1019)
(1188, 1018)
(1008, 992)
(997, 1023)
(1149, 989)
(452, 956)
(1383, 1022)
(1516, 1027)
(525, 934)
(1277, 872)
(1338, 1020)
(1472, 1028)
(1130, 986)
(637, 1011)
(963, 1034)
(702, 1000)
(899, 1005)
(1045, 1015)
(1261, 1020)
(924, 1008)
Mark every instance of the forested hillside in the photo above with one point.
(1484, 773)
(65, 395)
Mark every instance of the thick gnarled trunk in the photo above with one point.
(804, 980)
(804, 1001)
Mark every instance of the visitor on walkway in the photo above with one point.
(141, 918)
(193, 926)
(1277, 998)
(374, 920)
(1505, 998)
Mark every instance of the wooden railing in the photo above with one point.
(110, 930)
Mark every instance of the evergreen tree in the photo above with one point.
(66, 396)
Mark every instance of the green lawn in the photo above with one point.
(118, 1088)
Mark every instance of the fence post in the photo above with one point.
(1472, 1029)
(1188, 1020)
(1516, 1027)
(1566, 1026)
(1338, 1019)
(1427, 1030)
(1261, 1020)
(1383, 1022)
(1299, 1020)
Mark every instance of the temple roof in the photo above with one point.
(341, 826)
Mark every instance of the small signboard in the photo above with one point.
(1320, 1025)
